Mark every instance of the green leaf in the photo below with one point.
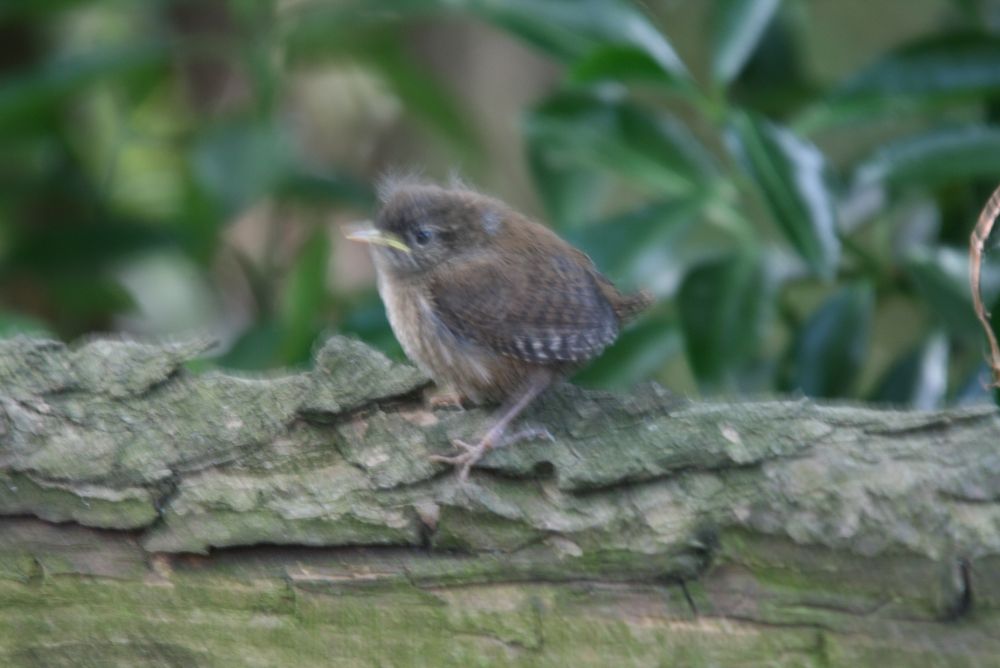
(721, 304)
(942, 279)
(36, 9)
(615, 243)
(639, 353)
(601, 33)
(256, 348)
(570, 192)
(958, 67)
(325, 188)
(79, 246)
(240, 163)
(312, 31)
(571, 29)
(567, 29)
(829, 350)
(918, 379)
(26, 96)
(618, 63)
(591, 130)
(776, 79)
(961, 64)
(739, 25)
(199, 229)
(792, 175)
(304, 298)
(12, 324)
(941, 155)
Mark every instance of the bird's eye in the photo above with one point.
(422, 236)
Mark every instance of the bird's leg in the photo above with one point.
(496, 436)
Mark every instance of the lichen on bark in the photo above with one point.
(298, 516)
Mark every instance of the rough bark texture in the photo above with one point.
(151, 516)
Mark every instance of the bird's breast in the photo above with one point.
(478, 374)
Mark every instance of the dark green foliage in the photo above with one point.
(791, 174)
(594, 131)
(721, 304)
(777, 213)
(918, 378)
(830, 348)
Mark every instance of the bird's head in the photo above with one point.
(419, 227)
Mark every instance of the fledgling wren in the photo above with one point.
(491, 305)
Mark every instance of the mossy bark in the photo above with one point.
(150, 516)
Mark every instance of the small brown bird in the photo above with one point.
(493, 306)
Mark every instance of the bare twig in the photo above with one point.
(976, 244)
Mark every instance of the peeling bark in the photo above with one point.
(150, 516)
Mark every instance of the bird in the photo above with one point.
(492, 305)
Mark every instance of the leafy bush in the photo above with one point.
(801, 236)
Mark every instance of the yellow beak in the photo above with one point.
(370, 235)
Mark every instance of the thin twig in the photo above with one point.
(976, 244)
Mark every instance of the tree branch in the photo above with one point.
(712, 533)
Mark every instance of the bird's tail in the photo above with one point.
(629, 306)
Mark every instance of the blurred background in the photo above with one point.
(795, 180)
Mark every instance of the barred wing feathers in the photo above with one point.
(543, 310)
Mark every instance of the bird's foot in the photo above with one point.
(465, 460)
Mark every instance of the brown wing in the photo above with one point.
(626, 307)
(542, 309)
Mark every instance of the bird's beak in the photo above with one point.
(365, 233)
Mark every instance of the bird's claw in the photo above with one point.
(463, 461)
